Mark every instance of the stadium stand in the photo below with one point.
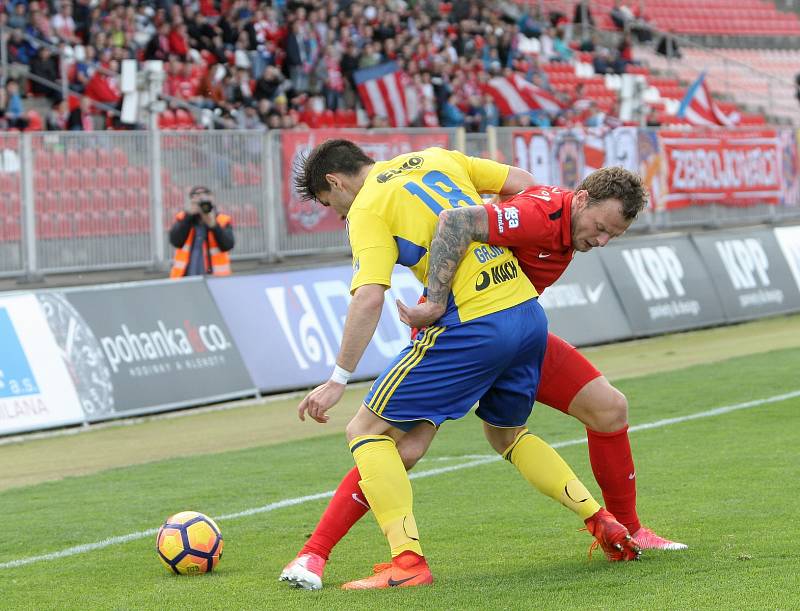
(294, 65)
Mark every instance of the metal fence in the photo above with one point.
(76, 201)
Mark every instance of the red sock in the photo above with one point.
(346, 508)
(612, 464)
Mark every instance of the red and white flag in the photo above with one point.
(514, 95)
(699, 108)
(382, 93)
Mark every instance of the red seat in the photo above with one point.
(104, 158)
(45, 202)
(44, 225)
(87, 177)
(68, 202)
(238, 174)
(137, 199)
(327, 119)
(137, 177)
(71, 177)
(104, 178)
(98, 201)
(86, 224)
(119, 158)
(183, 119)
(9, 182)
(167, 120)
(73, 159)
(12, 203)
(35, 122)
(10, 228)
(82, 201)
(118, 177)
(253, 174)
(40, 181)
(118, 199)
(89, 158)
(44, 160)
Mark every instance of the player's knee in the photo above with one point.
(614, 414)
(410, 454)
(353, 430)
(500, 439)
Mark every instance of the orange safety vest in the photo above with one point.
(220, 261)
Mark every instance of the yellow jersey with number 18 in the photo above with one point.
(393, 220)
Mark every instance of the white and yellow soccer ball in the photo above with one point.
(189, 543)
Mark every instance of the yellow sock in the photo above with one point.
(546, 471)
(385, 483)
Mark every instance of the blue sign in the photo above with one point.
(16, 377)
(288, 326)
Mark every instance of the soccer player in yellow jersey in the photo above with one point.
(487, 348)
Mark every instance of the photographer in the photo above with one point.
(202, 237)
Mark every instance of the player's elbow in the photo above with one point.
(447, 218)
(517, 180)
(457, 224)
(369, 297)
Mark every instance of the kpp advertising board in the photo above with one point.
(789, 241)
(749, 272)
(662, 284)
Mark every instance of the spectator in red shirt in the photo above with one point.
(334, 79)
(103, 87)
(179, 40)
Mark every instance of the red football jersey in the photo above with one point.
(535, 225)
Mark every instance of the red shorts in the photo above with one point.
(564, 372)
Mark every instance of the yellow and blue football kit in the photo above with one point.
(489, 344)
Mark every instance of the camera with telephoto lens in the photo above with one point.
(206, 205)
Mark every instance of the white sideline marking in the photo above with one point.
(478, 460)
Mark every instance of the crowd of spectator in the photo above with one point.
(264, 65)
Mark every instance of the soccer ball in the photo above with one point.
(189, 543)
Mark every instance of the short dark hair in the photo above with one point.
(330, 157)
(617, 183)
(200, 190)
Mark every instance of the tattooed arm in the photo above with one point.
(456, 229)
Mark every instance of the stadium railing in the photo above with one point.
(77, 201)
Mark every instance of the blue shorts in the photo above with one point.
(494, 360)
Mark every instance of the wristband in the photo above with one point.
(340, 375)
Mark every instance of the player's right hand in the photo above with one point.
(320, 400)
(421, 315)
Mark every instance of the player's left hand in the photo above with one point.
(421, 315)
(320, 400)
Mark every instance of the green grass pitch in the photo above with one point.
(726, 485)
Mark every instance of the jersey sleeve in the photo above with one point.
(518, 223)
(487, 176)
(374, 249)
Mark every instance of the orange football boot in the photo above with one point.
(406, 570)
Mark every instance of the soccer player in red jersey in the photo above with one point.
(544, 226)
